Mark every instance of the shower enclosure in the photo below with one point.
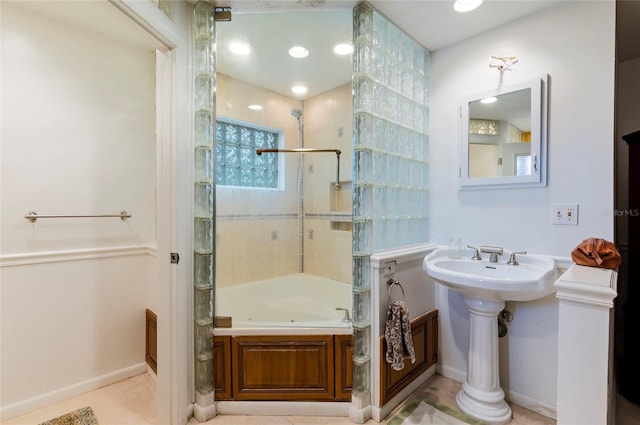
(282, 239)
(297, 229)
(280, 209)
(285, 214)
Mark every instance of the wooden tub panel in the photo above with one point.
(277, 368)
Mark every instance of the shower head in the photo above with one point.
(296, 113)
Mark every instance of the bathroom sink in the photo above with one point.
(531, 279)
(486, 286)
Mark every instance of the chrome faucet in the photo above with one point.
(476, 253)
(493, 252)
(512, 259)
(347, 317)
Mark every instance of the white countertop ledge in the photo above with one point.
(588, 285)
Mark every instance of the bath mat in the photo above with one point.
(419, 412)
(84, 416)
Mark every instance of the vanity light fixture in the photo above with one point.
(343, 49)
(298, 52)
(466, 5)
(502, 62)
(255, 107)
(299, 89)
(240, 48)
(488, 100)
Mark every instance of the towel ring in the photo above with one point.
(391, 283)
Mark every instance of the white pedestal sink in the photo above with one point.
(486, 286)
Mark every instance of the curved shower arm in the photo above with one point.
(308, 150)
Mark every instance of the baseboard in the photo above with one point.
(531, 404)
(65, 393)
(451, 373)
(512, 396)
(380, 413)
(152, 374)
(283, 408)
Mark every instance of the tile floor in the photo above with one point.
(132, 401)
(128, 402)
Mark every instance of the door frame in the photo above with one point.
(175, 382)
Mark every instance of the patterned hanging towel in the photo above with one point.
(397, 333)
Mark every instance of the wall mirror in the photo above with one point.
(503, 136)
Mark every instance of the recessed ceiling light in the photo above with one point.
(255, 107)
(299, 89)
(488, 99)
(466, 5)
(240, 47)
(298, 52)
(343, 49)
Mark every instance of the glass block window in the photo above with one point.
(488, 127)
(236, 158)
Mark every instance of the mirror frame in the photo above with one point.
(538, 178)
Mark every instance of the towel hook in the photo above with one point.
(391, 283)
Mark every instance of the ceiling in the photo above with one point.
(270, 36)
(107, 20)
(272, 26)
(433, 23)
(319, 24)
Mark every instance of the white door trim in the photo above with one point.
(175, 388)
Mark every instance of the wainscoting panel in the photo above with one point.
(151, 340)
(424, 330)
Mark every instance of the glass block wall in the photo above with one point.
(204, 82)
(391, 159)
(165, 6)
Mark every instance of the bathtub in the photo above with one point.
(294, 302)
(287, 343)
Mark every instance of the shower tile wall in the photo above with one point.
(328, 125)
(257, 229)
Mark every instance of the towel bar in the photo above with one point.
(308, 150)
(391, 283)
(32, 216)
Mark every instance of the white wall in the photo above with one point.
(580, 64)
(78, 137)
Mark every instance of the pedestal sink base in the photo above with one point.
(481, 395)
(491, 413)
